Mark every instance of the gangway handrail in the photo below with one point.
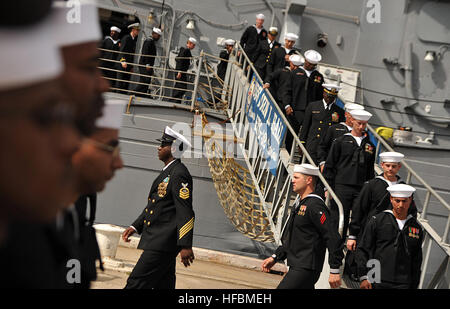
(246, 62)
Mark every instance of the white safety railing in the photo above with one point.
(158, 80)
(203, 88)
(275, 191)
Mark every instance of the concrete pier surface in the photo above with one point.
(210, 270)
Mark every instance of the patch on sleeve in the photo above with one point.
(323, 218)
(184, 191)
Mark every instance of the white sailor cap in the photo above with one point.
(134, 26)
(391, 157)
(72, 32)
(296, 59)
(352, 106)
(401, 190)
(331, 89)
(273, 30)
(192, 40)
(30, 55)
(312, 56)
(116, 29)
(306, 169)
(361, 114)
(291, 36)
(111, 115)
(157, 30)
(260, 16)
(229, 42)
(170, 136)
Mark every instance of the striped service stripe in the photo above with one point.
(186, 228)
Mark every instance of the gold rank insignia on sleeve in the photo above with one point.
(184, 191)
(186, 228)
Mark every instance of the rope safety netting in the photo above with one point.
(236, 191)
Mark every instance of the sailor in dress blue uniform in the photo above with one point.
(166, 224)
(394, 238)
(307, 235)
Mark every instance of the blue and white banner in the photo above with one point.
(265, 122)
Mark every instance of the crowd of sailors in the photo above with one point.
(379, 210)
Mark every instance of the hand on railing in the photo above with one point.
(266, 85)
